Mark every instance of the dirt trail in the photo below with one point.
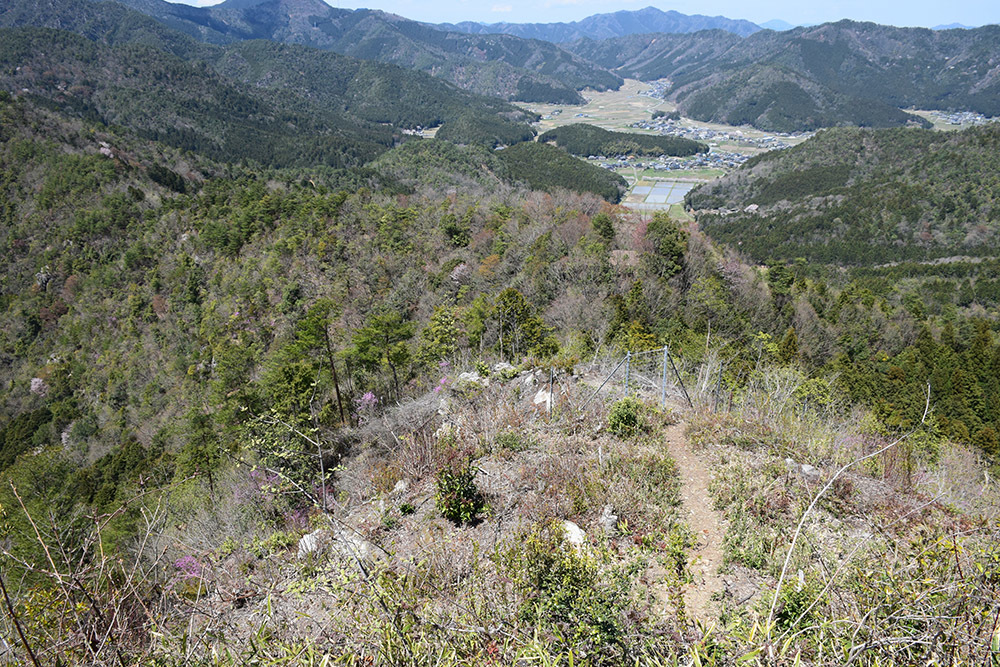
(705, 522)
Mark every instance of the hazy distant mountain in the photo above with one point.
(777, 25)
(806, 78)
(952, 26)
(617, 24)
(502, 65)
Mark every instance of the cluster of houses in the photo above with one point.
(675, 128)
(713, 160)
(963, 118)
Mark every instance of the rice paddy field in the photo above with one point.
(658, 195)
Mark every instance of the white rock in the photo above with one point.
(313, 542)
(812, 472)
(574, 534)
(608, 521)
(504, 368)
(473, 377)
(344, 543)
(401, 486)
(543, 397)
(530, 380)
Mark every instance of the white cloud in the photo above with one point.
(502, 8)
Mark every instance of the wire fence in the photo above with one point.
(653, 373)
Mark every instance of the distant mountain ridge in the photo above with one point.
(502, 65)
(777, 25)
(605, 26)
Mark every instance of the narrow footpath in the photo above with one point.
(705, 522)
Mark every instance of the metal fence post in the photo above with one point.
(718, 386)
(663, 379)
(628, 366)
(551, 397)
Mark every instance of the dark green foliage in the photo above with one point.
(667, 115)
(583, 139)
(544, 167)
(167, 178)
(604, 226)
(458, 499)
(788, 348)
(489, 131)
(625, 418)
(667, 245)
(530, 90)
(23, 432)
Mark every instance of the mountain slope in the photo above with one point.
(503, 65)
(616, 24)
(810, 77)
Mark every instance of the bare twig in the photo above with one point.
(805, 515)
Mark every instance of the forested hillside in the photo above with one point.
(844, 73)
(276, 104)
(863, 197)
(585, 140)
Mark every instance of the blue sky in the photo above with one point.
(926, 13)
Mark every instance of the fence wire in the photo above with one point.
(651, 373)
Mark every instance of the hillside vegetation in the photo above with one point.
(282, 384)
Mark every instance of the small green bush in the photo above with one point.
(800, 603)
(567, 588)
(458, 499)
(626, 417)
(514, 441)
